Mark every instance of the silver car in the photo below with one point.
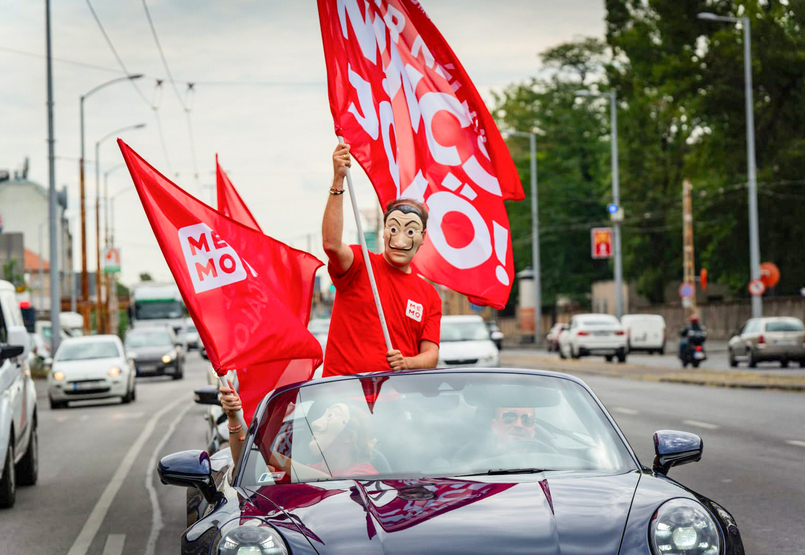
(768, 339)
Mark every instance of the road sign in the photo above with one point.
(756, 288)
(612, 208)
(686, 290)
(601, 242)
(769, 274)
(111, 260)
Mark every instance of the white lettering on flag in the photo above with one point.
(211, 262)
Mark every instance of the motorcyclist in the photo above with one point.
(694, 325)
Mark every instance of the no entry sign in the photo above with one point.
(756, 288)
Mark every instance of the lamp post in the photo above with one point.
(99, 301)
(84, 275)
(532, 143)
(613, 107)
(751, 166)
(55, 294)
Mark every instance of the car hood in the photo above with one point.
(149, 352)
(546, 514)
(87, 369)
(463, 350)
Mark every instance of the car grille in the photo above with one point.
(99, 388)
(461, 362)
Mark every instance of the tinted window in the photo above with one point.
(155, 338)
(784, 325)
(86, 350)
(415, 425)
(464, 331)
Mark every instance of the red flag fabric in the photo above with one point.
(418, 127)
(229, 201)
(243, 289)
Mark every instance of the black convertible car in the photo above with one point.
(444, 461)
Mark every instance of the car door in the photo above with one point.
(736, 341)
(750, 334)
(11, 377)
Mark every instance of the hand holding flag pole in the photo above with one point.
(365, 253)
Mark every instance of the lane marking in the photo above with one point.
(95, 519)
(156, 513)
(624, 410)
(705, 425)
(796, 442)
(114, 544)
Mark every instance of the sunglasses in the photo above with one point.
(526, 419)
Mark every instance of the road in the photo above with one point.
(98, 493)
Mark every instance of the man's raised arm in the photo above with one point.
(332, 226)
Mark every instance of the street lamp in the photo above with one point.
(84, 275)
(532, 142)
(613, 106)
(751, 167)
(98, 304)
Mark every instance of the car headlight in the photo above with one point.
(254, 537)
(114, 371)
(169, 357)
(684, 527)
(58, 376)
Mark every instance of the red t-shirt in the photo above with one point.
(412, 307)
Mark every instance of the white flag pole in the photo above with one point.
(365, 252)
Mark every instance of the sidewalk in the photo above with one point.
(716, 378)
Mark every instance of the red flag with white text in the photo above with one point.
(418, 127)
(229, 201)
(243, 289)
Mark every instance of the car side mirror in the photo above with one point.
(188, 469)
(207, 395)
(673, 448)
(10, 351)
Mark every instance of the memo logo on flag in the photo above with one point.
(211, 262)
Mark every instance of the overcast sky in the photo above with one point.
(260, 98)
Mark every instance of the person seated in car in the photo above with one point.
(513, 426)
(342, 437)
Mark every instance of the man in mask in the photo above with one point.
(412, 307)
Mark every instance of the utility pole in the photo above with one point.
(688, 262)
(55, 297)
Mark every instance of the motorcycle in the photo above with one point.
(693, 352)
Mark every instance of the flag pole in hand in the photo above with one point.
(365, 252)
(224, 383)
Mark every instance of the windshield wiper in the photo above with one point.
(504, 471)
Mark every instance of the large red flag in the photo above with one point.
(243, 289)
(229, 201)
(418, 127)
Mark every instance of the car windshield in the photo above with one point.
(463, 331)
(432, 425)
(157, 309)
(85, 350)
(155, 338)
(784, 325)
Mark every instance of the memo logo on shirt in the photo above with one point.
(211, 262)
(414, 311)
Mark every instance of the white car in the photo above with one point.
(191, 337)
(593, 334)
(644, 332)
(91, 367)
(19, 447)
(465, 341)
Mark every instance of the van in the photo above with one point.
(19, 454)
(644, 332)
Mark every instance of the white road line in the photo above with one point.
(624, 410)
(114, 544)
(95, 519)
(698, 424)
(796, 442)
(156, 514)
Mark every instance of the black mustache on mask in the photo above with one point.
(399, 249)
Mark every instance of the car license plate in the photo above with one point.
(787, 342)
(601, 333)
(80, 386)
(698, 355)
(146, 368)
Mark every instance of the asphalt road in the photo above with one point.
(98, 493)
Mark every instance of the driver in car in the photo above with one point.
(512, 427)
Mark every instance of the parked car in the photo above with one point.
(190, 336)
(465, 341)
(644, 332)
(320, 328)
(19, 444)
(768, 339)
(552, 338)
(594, 334)
(91, 367)
(156, 351)
(457, 461)
(495, 333)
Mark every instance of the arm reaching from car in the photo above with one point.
(230, 402)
